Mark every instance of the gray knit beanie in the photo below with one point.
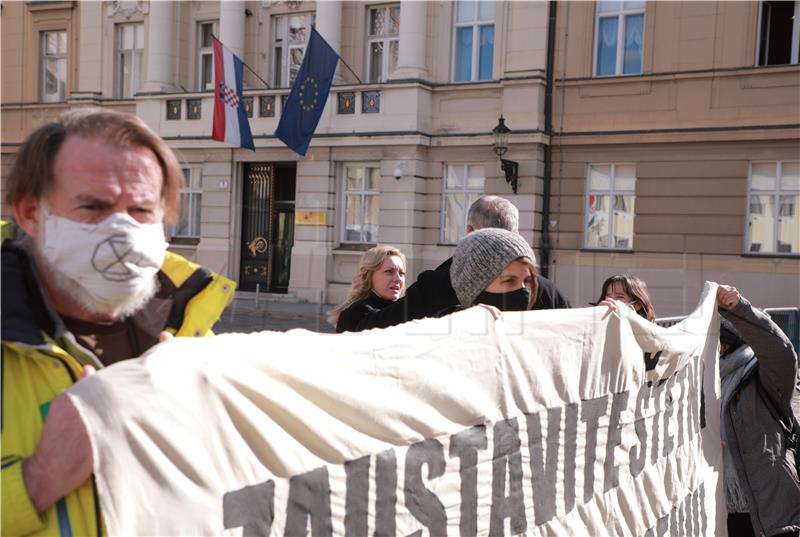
(481, 256)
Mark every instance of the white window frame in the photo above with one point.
(386, 39)
(280, 38)
(795, 46)
(476, 25)
(203, 51)
(620, 14)
(364, 193)
(776, 193)
(61, 58)
(193, 185)
(136, 60)
(612, 192)
(465, 191)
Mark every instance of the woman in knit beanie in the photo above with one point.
(495, 267)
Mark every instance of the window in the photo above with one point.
(474, 40)
(774, 193)
(778, 33)
(610, 197)
(54, 66)
(205, 55)
(191, 199)
(130, 46)
(383, 35)
(615, 56)
(290, 37)
(463, 184)
(361, 203)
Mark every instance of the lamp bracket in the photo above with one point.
(511, 170)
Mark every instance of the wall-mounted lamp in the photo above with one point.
(510, 167)
(400, 169)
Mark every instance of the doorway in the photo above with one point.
(267, 226)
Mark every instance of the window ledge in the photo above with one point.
(353, 248)
(772, 255)
(184, 241)
(609, 250)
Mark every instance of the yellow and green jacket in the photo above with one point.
(41, 359)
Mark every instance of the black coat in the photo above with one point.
(548, 297)
(426, 297)
(351, 319)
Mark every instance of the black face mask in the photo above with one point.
(518, 300)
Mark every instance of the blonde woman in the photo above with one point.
(379, 281)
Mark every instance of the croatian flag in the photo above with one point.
(230, 120)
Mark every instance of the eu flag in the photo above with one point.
(308, 96)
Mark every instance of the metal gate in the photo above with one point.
(256, 208)
(267, 227)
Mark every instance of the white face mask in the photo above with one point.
(113, 263)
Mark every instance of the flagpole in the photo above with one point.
(348, 68)
(256, 75)
(314, 27)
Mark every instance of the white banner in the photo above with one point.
(563, 422)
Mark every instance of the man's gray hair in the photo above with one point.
(493, 211)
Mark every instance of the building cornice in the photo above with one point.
(689, 73)
(679, 135)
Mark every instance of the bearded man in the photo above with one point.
(86, 282)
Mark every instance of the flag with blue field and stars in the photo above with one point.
(308, 96)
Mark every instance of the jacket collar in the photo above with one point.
(734, 360)
(24, 311)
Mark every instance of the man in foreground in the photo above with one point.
(86, 282)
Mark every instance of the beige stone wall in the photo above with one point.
(678, 36)
(691, 124)
(690, 197)
(697, 73)
(676, 280)
(691, 203)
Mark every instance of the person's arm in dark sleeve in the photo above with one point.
(350, 319)
(777, 360)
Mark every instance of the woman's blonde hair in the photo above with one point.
(370, 262)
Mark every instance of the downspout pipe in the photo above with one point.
(544, 255)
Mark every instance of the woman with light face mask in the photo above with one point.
(494, 267)
(379, 281)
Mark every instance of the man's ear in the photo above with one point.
(27, 213)
(470, 229)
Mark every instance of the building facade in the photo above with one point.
(671, 151)
(676, 148)
(398, 156)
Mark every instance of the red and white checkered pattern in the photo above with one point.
(228, 95)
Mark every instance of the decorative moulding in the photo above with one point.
(127, 8)
(291, 4)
